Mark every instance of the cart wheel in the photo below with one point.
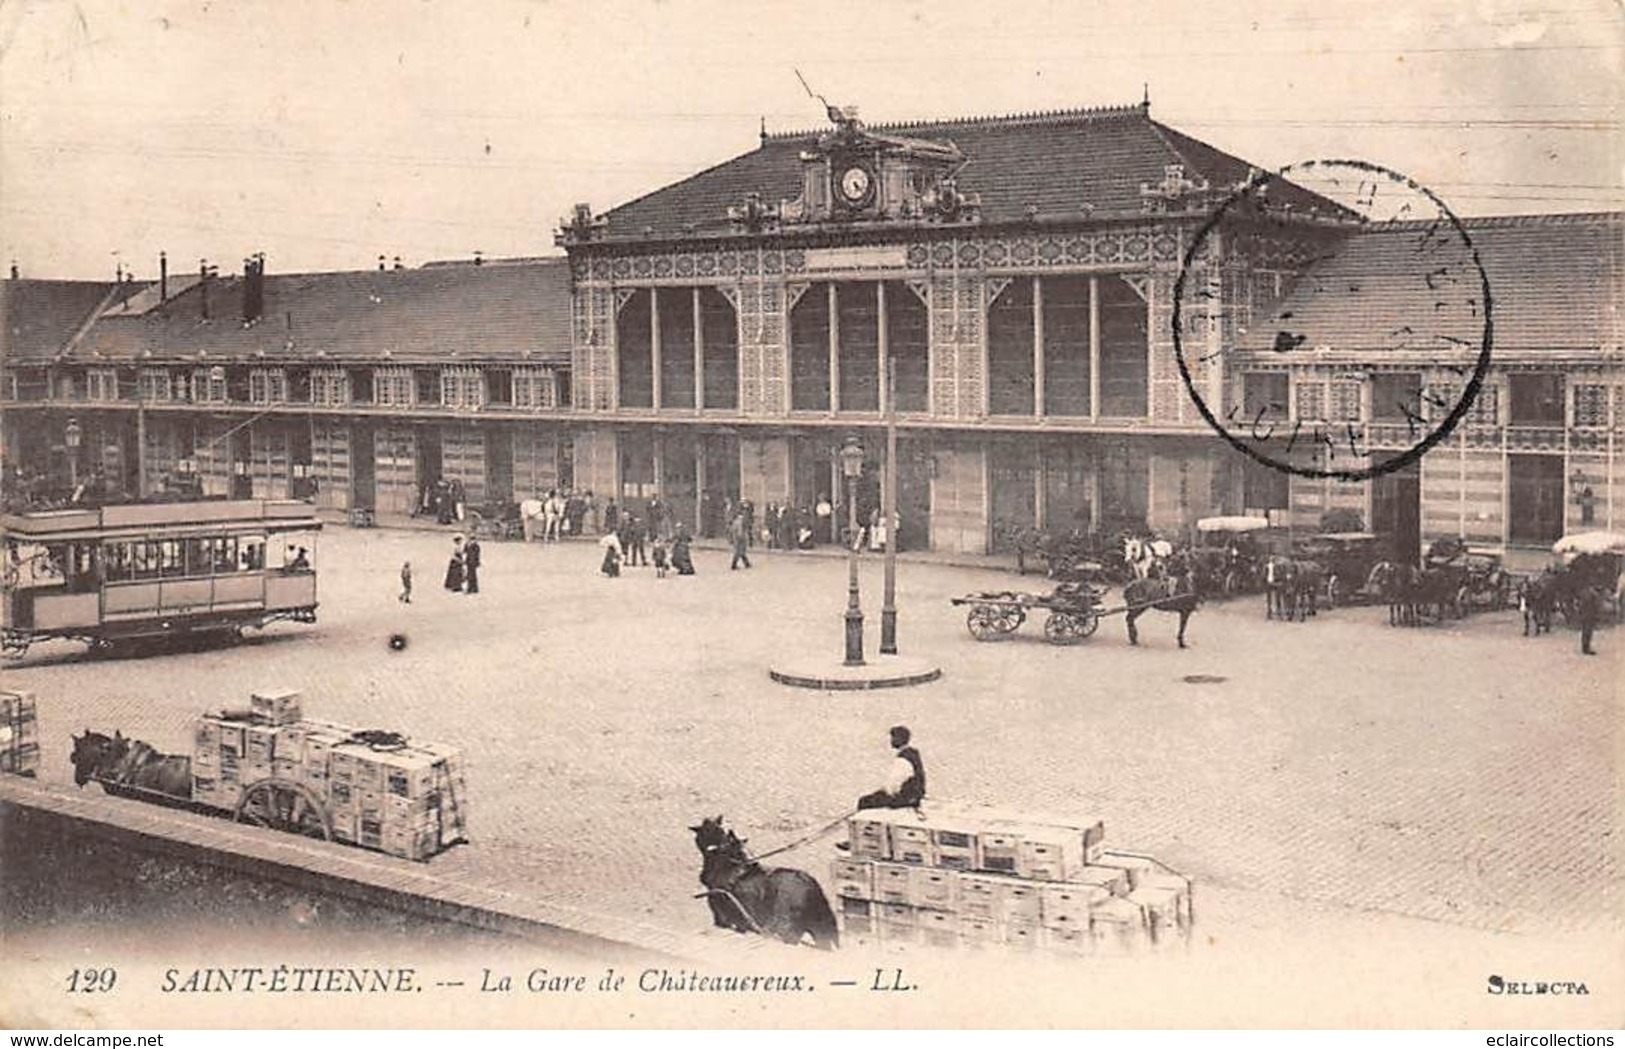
(983, 622)
(1232, 583)
(1090, 622)
(286, 806)
(1010, 619)
(1064, 628)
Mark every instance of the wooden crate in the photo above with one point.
(854, 878)
(276, 706)
(934, 887)
(1063, 906)
(894, 883)
(911, 844)
(869, 836)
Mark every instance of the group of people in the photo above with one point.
(632, 544)
(801, 528)
(445, 501)
(463, 571)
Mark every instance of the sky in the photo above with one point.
(325, 133)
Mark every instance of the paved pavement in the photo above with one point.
(1459, 775)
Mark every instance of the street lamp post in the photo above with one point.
(70, 437)
(852, 468)
(888, 515)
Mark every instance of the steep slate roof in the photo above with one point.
(1556, 283)
(1061, 163)
(38, 318)
(428, 314)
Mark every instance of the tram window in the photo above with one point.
(36, 566)
(171, 560)
(199, 558)
(253, 553)
(225, 555)
(297, 555)
(117, 562)
(146, 560)
(82, 567)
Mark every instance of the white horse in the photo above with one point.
(1142, 555)
(530, 511)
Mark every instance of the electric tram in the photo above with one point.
(155, 569)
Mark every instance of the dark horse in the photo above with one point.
(1175, 592)
(1538, 598)
(747, 897)
(1292, 588)
(132, 768)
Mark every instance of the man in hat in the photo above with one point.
(905, 780)
(1589, 608)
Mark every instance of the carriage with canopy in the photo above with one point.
(1347, 559)
(1230, 553)
(1592, 559)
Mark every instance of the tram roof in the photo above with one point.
(222, 516)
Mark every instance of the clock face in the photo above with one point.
(856, 184)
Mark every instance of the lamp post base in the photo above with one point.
(883, 672)
(854, 638)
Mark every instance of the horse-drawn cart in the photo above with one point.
(1074, 609)
(271, 768)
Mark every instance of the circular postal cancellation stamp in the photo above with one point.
(1353, 310)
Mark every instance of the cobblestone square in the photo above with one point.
(1459, 774)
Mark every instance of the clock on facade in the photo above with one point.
(857, 185)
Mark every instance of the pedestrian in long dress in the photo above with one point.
(471, 562)
(611, 566)
(455, 569)
(681, 559)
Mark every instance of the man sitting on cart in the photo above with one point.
(905, 780)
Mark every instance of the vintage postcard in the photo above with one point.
(839, 515)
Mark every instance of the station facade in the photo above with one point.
(1001, 290)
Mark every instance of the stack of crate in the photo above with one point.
(406, 799)
(19, 734)
(948, 875)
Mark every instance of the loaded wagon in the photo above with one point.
(1075, 611)
(270, 767)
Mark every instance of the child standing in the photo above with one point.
(406, 582)
(658, 550)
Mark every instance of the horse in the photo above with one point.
(94, 756)
(781, 902)
(1174, 593)
(131, 767)
(1537, 600)
(1308, 582)
(1138, 556)
(1397, 584)
(1280, 587)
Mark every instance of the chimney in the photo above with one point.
(398, 263)
(479, 257)
(380, 263)
(16, 274)
(253, 288)
(163, 277)
(203, 286)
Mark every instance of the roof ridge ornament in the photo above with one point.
(580, 226)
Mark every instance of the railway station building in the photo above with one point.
(1001, 289)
